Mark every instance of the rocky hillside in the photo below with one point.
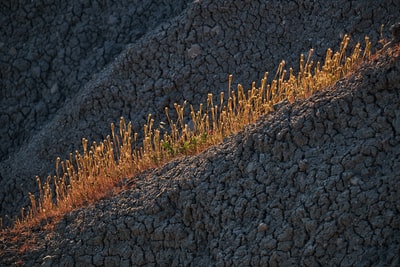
(70, 69)
(314, 183)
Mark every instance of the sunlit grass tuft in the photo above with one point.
(97, 172)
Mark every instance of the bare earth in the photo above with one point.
(314, 183)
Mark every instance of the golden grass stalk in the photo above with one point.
(93, 174)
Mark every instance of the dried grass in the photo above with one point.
(95, 173)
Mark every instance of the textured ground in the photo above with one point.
(316, 183)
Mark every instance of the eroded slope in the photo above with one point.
(184, 54)
(315, 183)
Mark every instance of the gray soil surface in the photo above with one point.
(315, 183)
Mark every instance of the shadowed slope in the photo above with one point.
(185, 57)
(314, 183)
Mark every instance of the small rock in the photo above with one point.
(35, 71)
(355, 180)
(303, 165)
(194, 51)
(12, 51)
(395, 29)
(262, 227)
(251, 167)
(54, 88)
(21, 64)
